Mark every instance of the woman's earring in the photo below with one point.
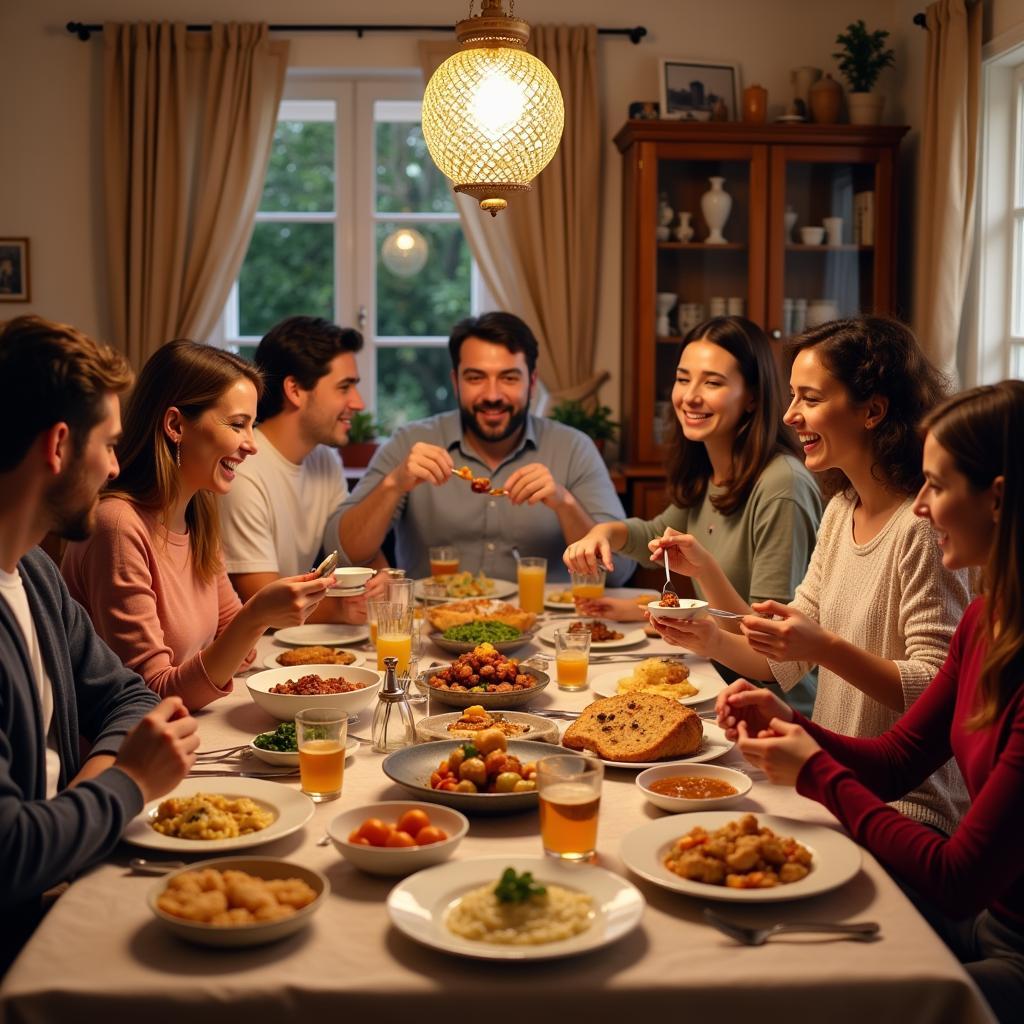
(177, 453)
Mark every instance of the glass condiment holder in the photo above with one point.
(393, 725)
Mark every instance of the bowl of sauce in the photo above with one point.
(693, 787)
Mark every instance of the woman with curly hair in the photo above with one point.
(877, 609)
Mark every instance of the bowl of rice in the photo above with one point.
(284, 692)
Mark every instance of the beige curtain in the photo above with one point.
(540, 257)
(947, 176)
(188, 124)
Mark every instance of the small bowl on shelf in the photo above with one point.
(812, 235)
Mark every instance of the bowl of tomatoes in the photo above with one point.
(397, 837)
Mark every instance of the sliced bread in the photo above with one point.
(636, 727)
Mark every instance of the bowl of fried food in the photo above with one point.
(238, 901)
(464, 725)
(486, 677)
(397, 837)
(677, 608)
(284, 692)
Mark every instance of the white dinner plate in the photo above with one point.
(418, 906)
(270, 661)
(559, 606)
(836, 857)
(708, 682)
(501, 589)
(713, 746)
(327, 634)
(630, 634)
(291, 810)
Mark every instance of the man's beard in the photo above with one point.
(515, 421)
(72, 505)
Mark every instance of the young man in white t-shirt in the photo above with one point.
(281, 516)
(61, 687)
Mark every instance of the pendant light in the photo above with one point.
(404, 252)
(492, 113)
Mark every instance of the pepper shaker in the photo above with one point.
(393, 726)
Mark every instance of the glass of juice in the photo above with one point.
(372, 608)
(532, 574)
(444, 560)
(569, 787)
(394, 635)
(588, 586)
(572, 656)
(321, 734)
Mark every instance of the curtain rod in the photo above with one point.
(84, 31)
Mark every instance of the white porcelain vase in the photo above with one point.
(716, 205)
(684, 230)
(666, 302)
(789, 220)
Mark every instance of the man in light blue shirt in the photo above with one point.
(554, 485)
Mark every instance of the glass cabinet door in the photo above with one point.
(829, 216)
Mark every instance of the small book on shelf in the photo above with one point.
(864, 218)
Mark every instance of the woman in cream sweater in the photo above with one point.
(876, 610)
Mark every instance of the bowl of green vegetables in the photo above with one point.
(464, 637)
(281, 746)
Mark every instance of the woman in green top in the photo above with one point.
(740, 492)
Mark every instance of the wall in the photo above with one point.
(51, 130)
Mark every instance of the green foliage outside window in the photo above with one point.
(413, 381)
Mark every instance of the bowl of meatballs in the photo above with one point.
(486, 677)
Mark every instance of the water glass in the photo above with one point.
(572, 656)
(372, 609)
(569, 787)
(532, 575)
(444, 560)
(402, 592)
(321, 734)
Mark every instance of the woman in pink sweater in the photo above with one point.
(151, 575)
(971, 885)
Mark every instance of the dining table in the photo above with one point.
(100, 955)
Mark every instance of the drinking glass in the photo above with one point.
(532, 574)
(394, 635)
(569, 787)
(572, 656)
(321, 734)
(402, 592)
(444, 560)
(588, 586)
(372, 608)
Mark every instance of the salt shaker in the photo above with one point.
(393, 726)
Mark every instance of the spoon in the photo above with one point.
(141, 866)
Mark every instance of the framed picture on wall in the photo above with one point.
(14, 270)
(696, 90)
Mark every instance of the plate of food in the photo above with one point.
(542, 909)
(205, 816)
(666, 677)
(325, 634)
(312, 654)
(433, 771)
(464, 725)
(211, 902)
(486, 677)
(458, 613)
(466, 635)
(604, 634)
(559, 600)
(643, 730)
(280, 747)
(459, 585)
(771, 858)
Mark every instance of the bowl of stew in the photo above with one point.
(693, 787)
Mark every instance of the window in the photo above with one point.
(357, 225)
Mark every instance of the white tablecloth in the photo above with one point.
(100, 956)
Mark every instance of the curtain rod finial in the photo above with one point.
(636, 34)
(79, 29)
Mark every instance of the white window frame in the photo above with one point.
(355, 257)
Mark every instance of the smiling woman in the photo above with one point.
(151, 575)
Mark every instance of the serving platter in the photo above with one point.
(291, 810)
(418, 906)
(490, 701)
(501, 589)
(464, 646)
(631, 635)
(836, 857)
(709, 684)
(542, 730)
(713, 746)
(327, 634)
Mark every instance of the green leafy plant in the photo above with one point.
(362, 429)
(863, 55)
(597, 424)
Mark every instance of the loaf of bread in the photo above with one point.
(636, 727)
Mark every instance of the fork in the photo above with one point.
(863, 931)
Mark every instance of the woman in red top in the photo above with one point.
(971, 884)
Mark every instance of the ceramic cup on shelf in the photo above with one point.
(812, 235)
(734, 306)
(717, 305)
(833, 230)
(665, 303)
(821, 311)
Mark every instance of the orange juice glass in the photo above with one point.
(588, 586)
(394, 635)
(572, 656)
(532, 575)
(321, 734)
(372, 608)
(570, 799)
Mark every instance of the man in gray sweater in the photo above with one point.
(83, 743)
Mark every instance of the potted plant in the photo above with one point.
(362, 440)
(862, 57)
(597, 424)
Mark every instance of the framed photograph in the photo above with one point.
(14, 270)
(696, 90)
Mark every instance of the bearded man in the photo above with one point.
(551, 483)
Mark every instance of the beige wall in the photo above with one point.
(50, 127)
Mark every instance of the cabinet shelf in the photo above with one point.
(795, 247)
(702, 246)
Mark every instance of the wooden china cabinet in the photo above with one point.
(775, 174)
